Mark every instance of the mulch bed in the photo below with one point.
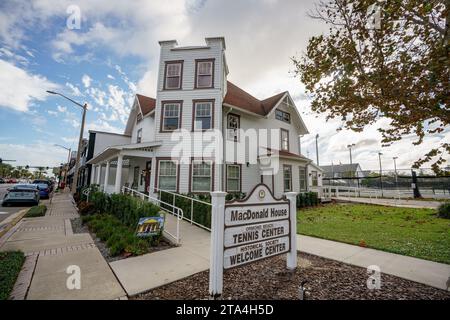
(269, 280)
(78, 227)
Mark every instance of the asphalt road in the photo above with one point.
(7, 211)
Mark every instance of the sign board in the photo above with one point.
(150, 226)
(250, 226)
(244, 231)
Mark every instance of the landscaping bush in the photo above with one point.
(235, 196)
(118, 237)
(307, 199)
(444, 210)
(36, 211)
(10, 265)
(86, 208)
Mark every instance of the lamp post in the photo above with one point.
(381, 171)
(80, 141)
(317, 149)
(68, 161)
(350, 146)
(395, 170)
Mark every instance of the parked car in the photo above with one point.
(23, 194)
(11, 180)
(2, 181)
(44, 190)
(47, 182)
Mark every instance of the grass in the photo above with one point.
(10, 265)
(36, 211)
(118, 237)
(412, 232)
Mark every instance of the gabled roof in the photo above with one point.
(239, 98)
(147, 104)
(341, 168)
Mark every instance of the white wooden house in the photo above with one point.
(195, 102)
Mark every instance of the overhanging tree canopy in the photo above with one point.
(382, 59)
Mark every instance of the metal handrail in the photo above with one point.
(179, 214)
(191, 219)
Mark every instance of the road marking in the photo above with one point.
(4, 212)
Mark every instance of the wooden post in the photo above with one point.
(216, 255)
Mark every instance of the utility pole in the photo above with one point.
(395, 170)
(381, 172)
(80, 140)
(68, 162)
(317, 149)
(350, 146)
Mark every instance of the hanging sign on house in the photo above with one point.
(244, 231)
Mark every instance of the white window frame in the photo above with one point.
(285, 166)
(176, 175)
(211, 108)
(314, 176)
(304, 178)
(233, 133)
(139, 135)
(210, 175)
(282, 148)
(180, 75)
(239, 179)
(164, 105)
(211, 74)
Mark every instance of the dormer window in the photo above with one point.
(173, 75)
(204, 72)
(282, 116)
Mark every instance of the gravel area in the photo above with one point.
(78, 227)
(269, 280)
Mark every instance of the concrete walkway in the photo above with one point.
(406, 203)
(51, 247)
(152, 270)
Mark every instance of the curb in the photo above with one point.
(10, 222)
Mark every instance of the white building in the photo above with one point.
(174, 142)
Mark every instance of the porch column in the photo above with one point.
(118, 174)
(93, 173)
(99, 171)
(106, 176)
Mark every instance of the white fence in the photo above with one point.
(328, 192)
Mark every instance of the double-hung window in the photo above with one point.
(284, 140)
(139, 136)
(204, 73)
(167, 175)
(287, 177)
(203, 113)
(233, 178)
(173, 75)
(233, 125)
(201, 176)
(314, 179)
(171, 116)
(302, 178)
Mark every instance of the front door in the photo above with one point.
(148, 170)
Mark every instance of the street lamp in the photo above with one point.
(80, 141)
(381, 172)
(68, 161)
(350, 146)
(317, 149)
(395, 169)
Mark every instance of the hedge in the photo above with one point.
(307, 199)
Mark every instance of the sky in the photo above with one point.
(113, 52)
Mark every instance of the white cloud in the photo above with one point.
(102, 125)
(110, 77)
(61, 109)
(51, 112)
(27, 87)
(74, 89)
(86, 81)
(70, 139)
(39, 154)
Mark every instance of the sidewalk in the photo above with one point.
(51, 247)
(156, 269)
(405, 203)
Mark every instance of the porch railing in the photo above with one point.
(178, 212)
(192, 201)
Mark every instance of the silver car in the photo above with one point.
(23, 194)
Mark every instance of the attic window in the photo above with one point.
(139, 117)
(282, 116)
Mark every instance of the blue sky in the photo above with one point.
(114, 54)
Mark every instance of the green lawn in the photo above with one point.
(10, 265)
(412, 232)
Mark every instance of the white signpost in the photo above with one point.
(244, 231)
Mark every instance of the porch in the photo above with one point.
(124, 166)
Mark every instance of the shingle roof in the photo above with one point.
(238, 97)
(147, 104)
(340, 168)
(284, 153)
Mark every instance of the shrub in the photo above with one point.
(235, 196)
(307, 199)
(10, 265)
(36, 211)
(118, 237)
(86, 208)
(444, 210)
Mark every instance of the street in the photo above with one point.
(7, 211)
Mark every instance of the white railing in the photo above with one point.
(191, 218)
(355, 192)
(178, 212)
